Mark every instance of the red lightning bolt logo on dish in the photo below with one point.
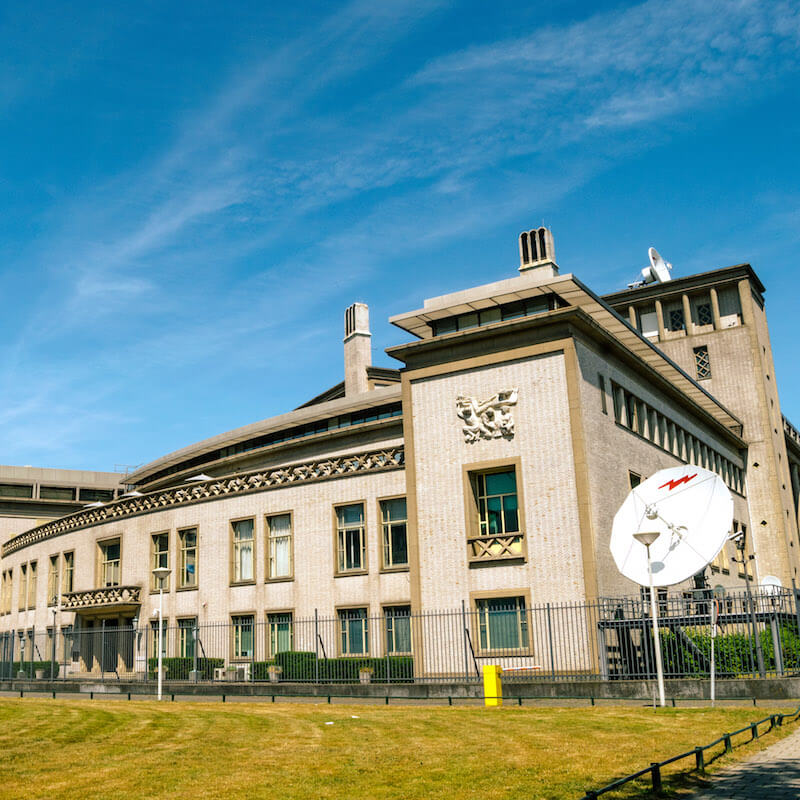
(674, 484)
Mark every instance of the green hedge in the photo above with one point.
(302, 666)
(178, 669)
(29, 668)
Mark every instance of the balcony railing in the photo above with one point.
(107, 597)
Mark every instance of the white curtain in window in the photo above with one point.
(280, 529)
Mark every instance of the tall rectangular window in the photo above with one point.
(186, 634)
(279, 529)
(243, 542)
(675, 319)
(52, 581)
(32, 575)
(154, 638)
(351, 539)
(23, 587)
(68, 573)
(498, 509)
(354, 631)
(242, 636)
(187, 573)
(702, 363)
(281, 633)
(159, 559)
(110, 563)
(395, 533)
(502, 623)
(398, 629)
(601, 382)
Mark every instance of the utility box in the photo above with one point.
(492, 685)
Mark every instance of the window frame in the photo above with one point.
(101, 544)
(386, 617)
(53, 579)
(154, 583)
(501, 594)
(65, 572)
(381, 543)
(182, 629)
(180, 586)
(268, 547)
(240, 615)
(365, 630)
(364, 568)
(271, 652)
(22, 589)
(469, 473)
(232, 545)
(33, 582)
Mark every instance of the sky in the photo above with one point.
(191, 193)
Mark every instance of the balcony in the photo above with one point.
(496, 548)
(109, 598)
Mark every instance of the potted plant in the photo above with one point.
(365, 673)
(274, 671)
(39, 672)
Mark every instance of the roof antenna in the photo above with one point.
(657, 272)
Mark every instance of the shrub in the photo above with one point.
(178, 669)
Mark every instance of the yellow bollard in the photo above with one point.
(492, 685)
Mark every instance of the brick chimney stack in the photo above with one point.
(357, 349)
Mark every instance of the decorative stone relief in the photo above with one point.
(487, 419)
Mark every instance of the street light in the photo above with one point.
(739, 539)
(647, 538)
(161, 573)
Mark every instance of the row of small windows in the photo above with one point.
(60, 578)
(65, 493)
(298, 432)
(475, 319)
(637, 416)
(701, 309)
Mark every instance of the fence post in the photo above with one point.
(196, 634)
(550, 638)
(464, 637)
(777, 644)
(727, 738)
(656, 773)
(316, 646)
(699, 759)
(796, 596)
(753, 731)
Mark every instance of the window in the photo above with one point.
(56, 493)
(279, 529)
(395, 536)
(398, 629)
(242, 636)
(187, 574)
(15, 490)
(186, 637)
(96, 495)
(154, 637)
(68, 573)
(350, 537)
(354, 629)
(243, 533)
(5, 593)
(497, 502)
(32, 570)
(601, 382)
(502, 623)
(281, 632)
(704, 315)
(648, 322)
(474, 319)
(159, 559)
(110, 563)
(675, 320)
(23, 586)
(702, 363)
(52, 581)
(634, 479)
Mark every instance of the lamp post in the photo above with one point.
(647, 538)
(161, 573)
(739, 539)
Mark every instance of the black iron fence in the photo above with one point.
(611, 639)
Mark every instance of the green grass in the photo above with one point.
(118, 749)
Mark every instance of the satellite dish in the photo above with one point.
(659, 268)
(692, 510)
(771, 585)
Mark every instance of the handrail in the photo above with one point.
(654, 770)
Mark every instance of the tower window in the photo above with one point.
(702, 363)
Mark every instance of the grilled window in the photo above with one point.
(702, 363)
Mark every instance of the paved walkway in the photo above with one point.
(772, 774)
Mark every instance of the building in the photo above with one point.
(486, 471)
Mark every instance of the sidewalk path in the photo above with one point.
(772, 774)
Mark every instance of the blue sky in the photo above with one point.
(192, 193)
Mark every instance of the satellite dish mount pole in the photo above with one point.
(647, 539)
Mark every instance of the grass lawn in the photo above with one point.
(118, 750)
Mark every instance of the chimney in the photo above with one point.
(357, 349)
(537, 252)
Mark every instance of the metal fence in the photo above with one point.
(610, 639)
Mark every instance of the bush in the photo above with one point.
(178, 669)
(304, 665)
(29, 668)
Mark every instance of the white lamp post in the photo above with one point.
(161, 573)
(647, 538)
